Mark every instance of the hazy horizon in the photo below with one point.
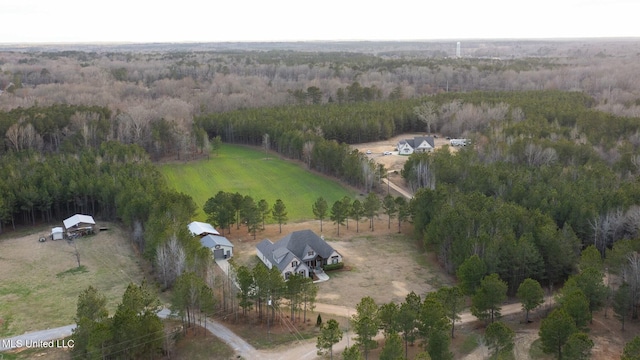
(188, 21)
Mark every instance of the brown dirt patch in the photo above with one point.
(394, 162)
(382, 264)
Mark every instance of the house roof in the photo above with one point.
(78, 219)
(419, 139)
(279, 257)
(295, 245)
(211, 241)
(199, 228)
(416, 141)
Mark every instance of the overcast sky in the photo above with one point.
(287, 20)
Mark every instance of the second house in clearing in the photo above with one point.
(301, 252)
(417, 144)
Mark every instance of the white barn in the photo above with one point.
(78, 223)
(197, 228)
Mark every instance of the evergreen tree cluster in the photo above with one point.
(134, 331)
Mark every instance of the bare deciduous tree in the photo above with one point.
(426, 113)
(171, 261)
(535, 155)
(631, 275)
(21, 136)
(307, 152)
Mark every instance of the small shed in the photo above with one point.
(57, 233)
(79, 224)
(220, 246)
(202, 229)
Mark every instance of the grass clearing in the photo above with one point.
(250, 172)
(37, 353)
(535, 352)
(281, 332)
(470, 342)
(197, 343)
(40, 282)
(76, 270)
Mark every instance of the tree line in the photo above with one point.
(225, 208)
(217, 78)
(63, 128)
(346, 208)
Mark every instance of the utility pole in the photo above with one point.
(388, 183)
(268, 315)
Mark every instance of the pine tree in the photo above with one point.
(631, 350)
(352, 353)
(578, 347)
(622, 303)
(531, 295)
(338, 214)
(320, 209)
(357, 212)
(279, 213)
(330, 334)
(371, 206)
(392, 349)
(366, 323)
(390, 208)
(555, 331)
(470, 274)
(486, 302)
(500, 338)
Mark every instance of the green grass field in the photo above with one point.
(40, 282)
(249, 172)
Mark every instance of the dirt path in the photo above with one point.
(302, 350)
(306, 350)
(397, 188)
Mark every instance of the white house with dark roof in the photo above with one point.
(301, 252)
(417, 144)
(197, 228)
(220, 246)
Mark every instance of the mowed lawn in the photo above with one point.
(251, 172)
(40, 281)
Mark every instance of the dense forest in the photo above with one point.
(552, 167)
(154, 89)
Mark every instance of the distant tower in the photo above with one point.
(458, 49)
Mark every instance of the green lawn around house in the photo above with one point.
(251, 172)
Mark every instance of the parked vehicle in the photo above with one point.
(459, 142)
(387, 153)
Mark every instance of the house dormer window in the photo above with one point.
(310, 253)
(294, 263)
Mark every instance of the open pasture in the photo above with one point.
(40, 281)
(254, 173)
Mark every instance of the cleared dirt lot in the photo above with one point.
(382, 264)
(35, 291)
(395, 161)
